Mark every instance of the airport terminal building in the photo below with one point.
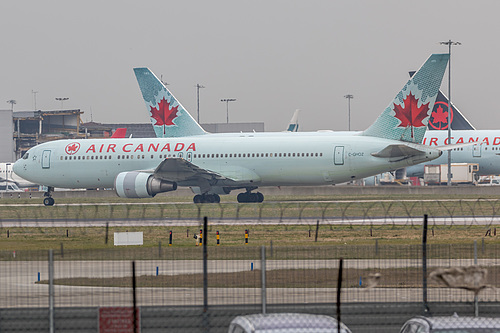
(21, 130)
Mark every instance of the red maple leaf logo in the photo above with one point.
(440, 116)
(164, 115)
(411, 114)
(72, 148)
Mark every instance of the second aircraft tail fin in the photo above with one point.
(168, 116)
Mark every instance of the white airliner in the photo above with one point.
(486, 153)
(213, 164)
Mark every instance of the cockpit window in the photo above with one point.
(25, 156)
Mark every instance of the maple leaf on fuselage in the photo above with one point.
(439, 116)
(72, 148)
(164, 115)
(411, 114)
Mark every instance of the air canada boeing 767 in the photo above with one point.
(184, 154)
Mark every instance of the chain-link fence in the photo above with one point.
(174, 282)
(347, 212)
(272, 257)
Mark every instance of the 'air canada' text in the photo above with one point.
(141, 148)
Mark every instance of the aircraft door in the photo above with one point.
(189, 156)
(46, 159)
(476, 151)
(338, 155)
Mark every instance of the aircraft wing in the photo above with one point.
(178, 170)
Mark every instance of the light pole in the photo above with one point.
(198, 87)
(450, 43)
(62, 99)
(34, 98)
(227, 100)
(349, 97)
(12, 102)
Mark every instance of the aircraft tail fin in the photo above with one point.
(439, 116)
(168, 116)
(294, 122)
(406, 118)
(119, 133)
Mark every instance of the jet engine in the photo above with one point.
(135, 184)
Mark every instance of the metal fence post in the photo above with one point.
(51, 292)
(263, 278)
(476, 304)
(134, 297)
(205, 276)
(317, 228)
(339, 289)
(424, 265)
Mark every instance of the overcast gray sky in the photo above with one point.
(272, 56)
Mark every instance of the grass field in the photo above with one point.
(303, 207)
(297, 235)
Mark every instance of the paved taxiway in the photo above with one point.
(18, 287)
(168, 221)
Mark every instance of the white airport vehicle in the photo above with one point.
(463, 173)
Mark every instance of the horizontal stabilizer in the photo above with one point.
(398, 150)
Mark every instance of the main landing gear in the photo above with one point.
(250, 197)
(206, 198)
(48, 200)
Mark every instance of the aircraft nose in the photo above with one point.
(18, 168)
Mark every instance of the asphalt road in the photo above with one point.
(18, 287)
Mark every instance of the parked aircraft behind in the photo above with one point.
(294, 122)
(486, 153)
(213, 164)
(119, 133)
(6, 174)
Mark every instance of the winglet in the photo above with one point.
(406, 117)
(168, 116)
